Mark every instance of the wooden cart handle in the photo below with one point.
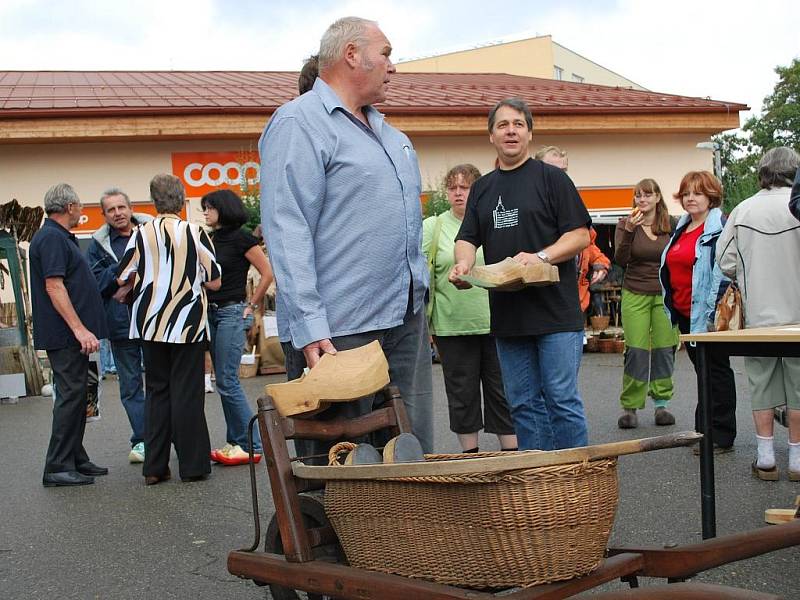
(511, 462)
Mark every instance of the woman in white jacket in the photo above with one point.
(760, 249)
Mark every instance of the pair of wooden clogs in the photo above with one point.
(404, 448)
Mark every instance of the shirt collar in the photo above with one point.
(113, 234)
(331, 102)
(48, 222)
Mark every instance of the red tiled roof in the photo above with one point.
(31, 94)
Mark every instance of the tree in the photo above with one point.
(777, 125)
(739, 177)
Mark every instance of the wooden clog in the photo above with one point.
(510, 275)
(363, 454)
(341, 377)
(765, 474)
(404, 448)
(776, 516)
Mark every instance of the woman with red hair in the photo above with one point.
(693, 283)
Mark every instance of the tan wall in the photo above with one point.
(594, 160)
(573, 63)
(26, 171)
(532, 57)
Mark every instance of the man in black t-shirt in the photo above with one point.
(531, 211)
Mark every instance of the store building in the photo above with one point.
(100, 129)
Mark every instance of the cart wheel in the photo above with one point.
(313, 516)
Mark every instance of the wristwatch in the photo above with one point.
(543, 256)
(253, 306)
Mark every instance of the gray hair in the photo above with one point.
(517, 104)
(342, 32)
(58, 197)
(778, 167)
(167, 193)
(113, 191)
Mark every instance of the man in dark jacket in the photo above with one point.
(794, 200)
(107, 246)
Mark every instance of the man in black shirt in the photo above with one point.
(531, 211)
(67, 323)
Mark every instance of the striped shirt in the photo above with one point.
(170, 258)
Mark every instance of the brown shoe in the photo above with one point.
(155, 479)
(628, 420)
(717, 449)
(664, 417)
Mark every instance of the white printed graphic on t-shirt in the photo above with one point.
(504, 218)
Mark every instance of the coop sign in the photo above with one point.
(204, 172)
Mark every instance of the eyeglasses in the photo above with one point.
(641, 195)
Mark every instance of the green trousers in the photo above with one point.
(650, 344)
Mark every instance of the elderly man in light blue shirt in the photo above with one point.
(340, 206)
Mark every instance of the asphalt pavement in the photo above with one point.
(119, 539)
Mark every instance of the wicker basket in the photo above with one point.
(482, 530)
(599, 322)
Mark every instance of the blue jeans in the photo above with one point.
(540, 377)
(128, 358)
(228, 329)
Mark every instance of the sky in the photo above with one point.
(722, 50)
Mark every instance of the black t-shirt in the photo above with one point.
(230, 246)
(54, 252)
(525, 210)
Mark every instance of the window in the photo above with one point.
(558, 73)
(577, 78)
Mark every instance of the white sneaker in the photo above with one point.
(137, 453)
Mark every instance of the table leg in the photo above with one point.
(707, 499)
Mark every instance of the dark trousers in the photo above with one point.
(70, 372)
(174, 409)
(469, 362)
(723, 391)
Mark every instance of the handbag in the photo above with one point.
(433, 249)
(729, 315)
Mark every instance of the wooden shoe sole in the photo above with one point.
(765, 474)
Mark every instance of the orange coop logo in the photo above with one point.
(204, 172)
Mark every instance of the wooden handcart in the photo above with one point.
(302, 555)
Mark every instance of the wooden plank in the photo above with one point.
(511, 462)
(782, 333)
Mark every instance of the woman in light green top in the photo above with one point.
(459, 322)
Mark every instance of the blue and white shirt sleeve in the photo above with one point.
(293, 186)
